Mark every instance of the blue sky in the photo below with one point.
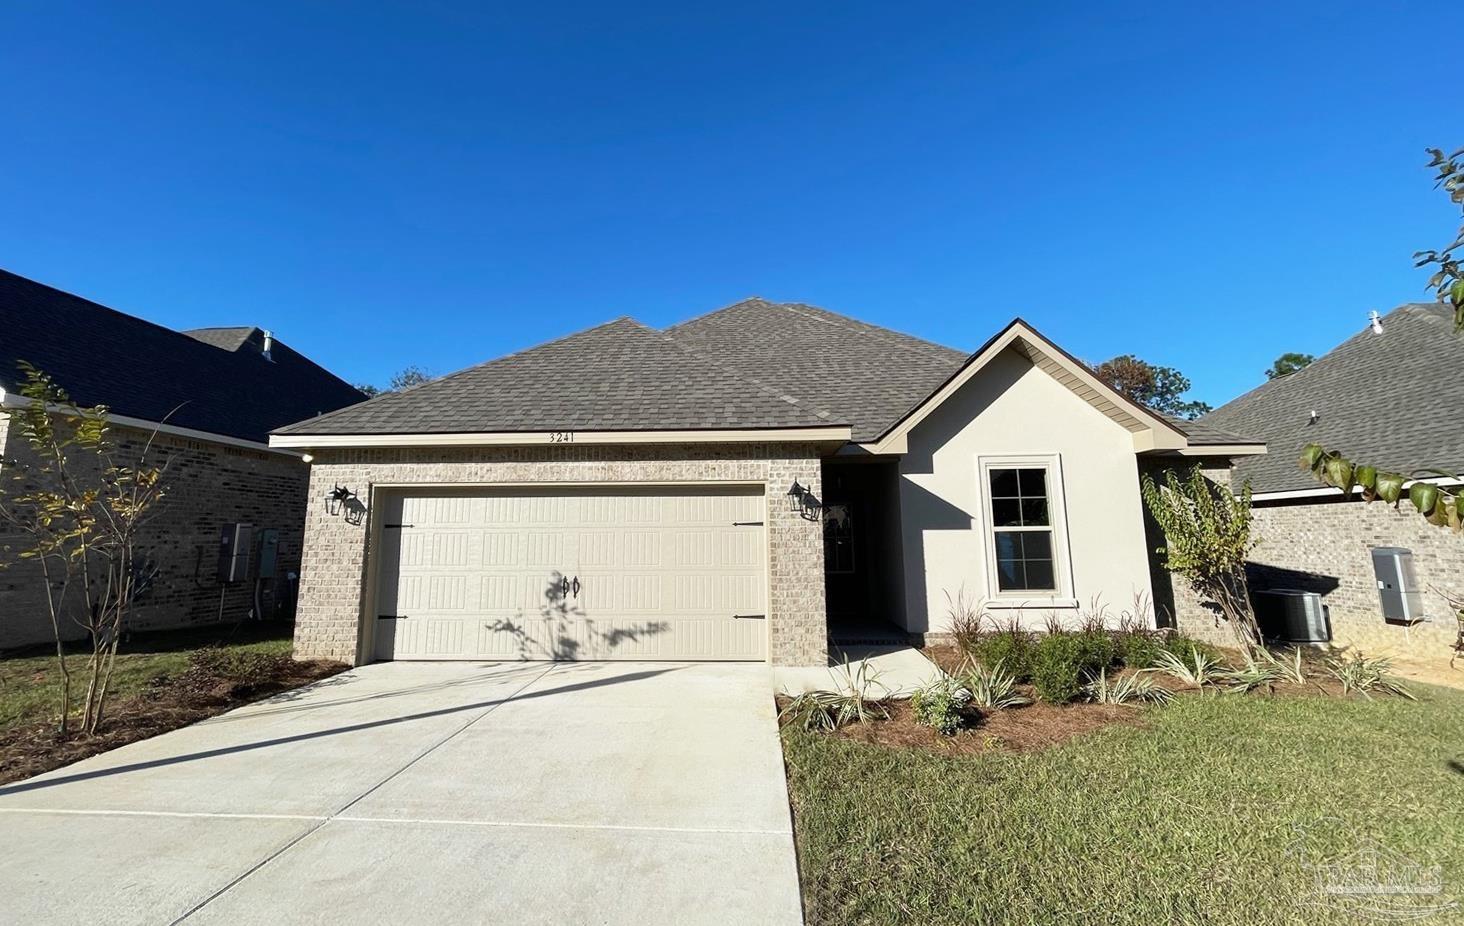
(1206, 186)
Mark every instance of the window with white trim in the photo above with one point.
(1026, 547)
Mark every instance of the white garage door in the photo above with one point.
(636, 573)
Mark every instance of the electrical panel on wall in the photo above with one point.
(235, 541)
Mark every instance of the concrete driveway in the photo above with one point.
(405, 793)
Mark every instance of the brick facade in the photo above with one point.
(207, 485)
(1324, 547)
(335, 573)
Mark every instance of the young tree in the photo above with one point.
(1288, 363)
(1153, 386)
(410, 376)
(81, 511)
(1207, 536)
(403, 379)
(1442, 506)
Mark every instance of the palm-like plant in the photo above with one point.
(992, 689)
(1365, 675)
(1127, 689)
(1200, 670)
(853, 700)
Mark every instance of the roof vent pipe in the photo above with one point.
(269, 344)
(1377, 321)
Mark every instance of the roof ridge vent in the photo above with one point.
(1376, 320)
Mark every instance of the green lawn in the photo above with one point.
(1191, 819)
(30, 684)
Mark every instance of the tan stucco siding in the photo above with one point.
(1014, 408)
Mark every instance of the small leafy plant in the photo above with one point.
(1129, 689)
(1364, 675)
(941, 705)
(992, 688)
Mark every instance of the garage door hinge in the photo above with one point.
(747, 524)
(749, 617)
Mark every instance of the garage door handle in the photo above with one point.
(575, 586)
(749, 617)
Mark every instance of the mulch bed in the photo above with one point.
(1014, 729)
(202, 691)
(1038, 725)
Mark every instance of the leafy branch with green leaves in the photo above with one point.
(1440, 505)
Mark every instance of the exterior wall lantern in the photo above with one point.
(803, 502)
(343, 499)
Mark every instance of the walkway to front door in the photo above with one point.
(428, 793)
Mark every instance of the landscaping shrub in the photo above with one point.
(940, 706)
(1009, 647)
(1139, 649)
(1098, 649)
(1059, 667)
(1185, 648)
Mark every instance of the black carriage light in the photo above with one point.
(336, 499)
(795, 496)
(802, 501)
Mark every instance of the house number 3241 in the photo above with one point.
(561, 437)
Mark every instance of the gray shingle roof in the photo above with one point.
(854, 372)
(620, 376)
(1202, 433)
(105, 357)
(1390, 399)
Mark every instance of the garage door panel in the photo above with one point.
(662, 574)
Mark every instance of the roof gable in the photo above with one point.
(1380, 398)
(149, 372)
(1151, 430)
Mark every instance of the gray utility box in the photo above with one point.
(1291, 615)
(1398, 588)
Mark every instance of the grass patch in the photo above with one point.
(1192, 817)
(30, 684)
(162, 681)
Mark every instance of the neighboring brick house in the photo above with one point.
(1389, 396)
(211, 396)
(747, 485)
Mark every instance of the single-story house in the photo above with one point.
(1389, 396)
(745, 485)
(212, 395)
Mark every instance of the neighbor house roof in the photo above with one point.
(753, 365)
(1388, 399)
(214, 379)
